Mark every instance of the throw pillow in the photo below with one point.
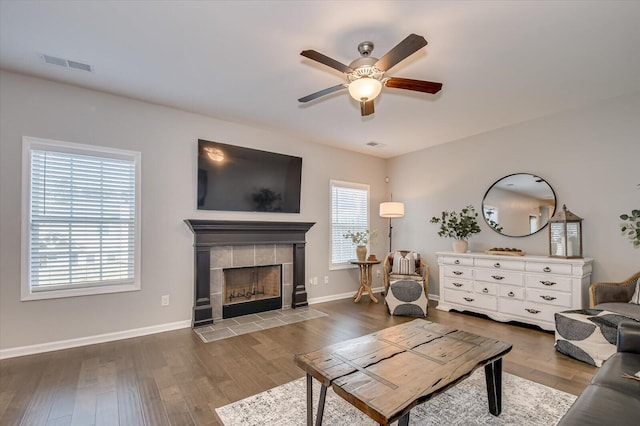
(636, 295)
(404, 265)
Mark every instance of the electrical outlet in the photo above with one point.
(310, 281)
(315, 280)
(165, 300)
(326, 279)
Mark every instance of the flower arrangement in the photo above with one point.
(360, 238)
(456, 225)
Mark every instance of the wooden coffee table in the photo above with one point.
(387, 373)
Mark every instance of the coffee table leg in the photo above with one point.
(309, 400)
(323, 394)
(493, 375)
(404, 420)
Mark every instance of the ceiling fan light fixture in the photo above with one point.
(365, 89)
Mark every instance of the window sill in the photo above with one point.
(74, 292)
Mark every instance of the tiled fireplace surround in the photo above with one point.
(237, 256)
(219, 244)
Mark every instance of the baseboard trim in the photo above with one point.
(322, 299)
(91, 340)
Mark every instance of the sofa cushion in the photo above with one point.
(599, 405)
(625, 309)
(610, 374)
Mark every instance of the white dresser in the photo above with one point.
(528, 289)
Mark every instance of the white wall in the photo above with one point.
(590, 157)
(167, 139)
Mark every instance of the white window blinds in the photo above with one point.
(82, 229)
(349, 212)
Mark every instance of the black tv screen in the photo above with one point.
(234, 178)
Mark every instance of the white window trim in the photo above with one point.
(32, 143)
(363, 186)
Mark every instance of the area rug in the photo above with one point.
(524, 403)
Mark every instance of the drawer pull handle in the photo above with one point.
(457, 262)
(497, 277)
(496, 265)
(547, 269)
(485, 290)
(532, 311)
(547, 283)
(545, 297)
(468, 299)
(457, 273)
(511, 294)
(457, 284)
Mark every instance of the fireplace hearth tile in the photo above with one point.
(223, 333)
(220, 257)
(284, 253)
(265, 254)
(247, 318)
(269, 314)
(245, 328)
(222, 329)
(270, 323)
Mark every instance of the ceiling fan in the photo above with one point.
(365, 75)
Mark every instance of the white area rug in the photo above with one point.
(523, 403)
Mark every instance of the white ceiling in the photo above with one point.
(500, 62)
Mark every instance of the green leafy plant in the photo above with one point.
(456, 225)
(631, 226)
(360, 238)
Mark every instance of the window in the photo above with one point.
(81, 220)
(349, 212)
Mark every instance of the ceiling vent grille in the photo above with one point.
(374, 144)
(66, 63)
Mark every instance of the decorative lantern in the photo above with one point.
(565, 235)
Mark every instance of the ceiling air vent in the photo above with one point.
(373, 144)
(66, 63)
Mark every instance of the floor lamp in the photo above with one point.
(391, 210)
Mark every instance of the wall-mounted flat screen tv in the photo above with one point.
(234, 178)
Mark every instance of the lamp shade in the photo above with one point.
(391, 210)
(365, 88)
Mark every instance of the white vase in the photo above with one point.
(460, 246)
(361, 253)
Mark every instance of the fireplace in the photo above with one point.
(251, 289)
(221, 244)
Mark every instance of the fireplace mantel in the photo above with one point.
(210, 233)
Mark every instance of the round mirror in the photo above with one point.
(518, 205)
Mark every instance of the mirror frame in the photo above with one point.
(555, 204)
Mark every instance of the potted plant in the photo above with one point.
(360, 239)
(459, 226)
(631, 226)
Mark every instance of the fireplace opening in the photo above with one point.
(251, 290)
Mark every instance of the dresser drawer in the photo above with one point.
(471, 299)
(458, 284)
(549, 297)
(511, 292)
(458, 272)
(485, 288)
(549, 282)
(548, 268)
(500, 277)
(510, 265)
(525, 309)
(462, 261)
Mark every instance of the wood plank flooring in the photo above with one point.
(173, 378)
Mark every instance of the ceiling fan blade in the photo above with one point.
(323, 59)
(366, 107)
(326, 91)
(404, 49)
(415, 85)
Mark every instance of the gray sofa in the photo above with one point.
(610, 398)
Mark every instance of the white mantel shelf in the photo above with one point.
(527, 289)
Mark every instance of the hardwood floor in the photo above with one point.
(173, 378)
